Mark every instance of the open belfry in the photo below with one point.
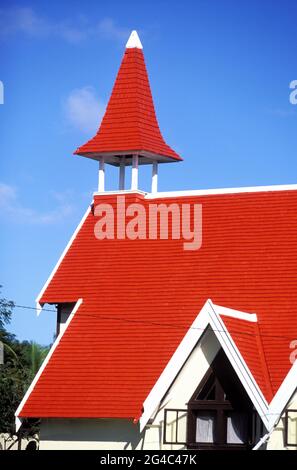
(129, 133)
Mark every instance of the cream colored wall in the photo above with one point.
(181, 391)
(277, 438)
(92, 434)
(123, 434)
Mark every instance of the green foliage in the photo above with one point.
(21, 363)
(6, 307)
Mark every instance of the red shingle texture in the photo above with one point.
(130, 122)
(141, 296)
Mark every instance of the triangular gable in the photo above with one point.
(208, 317)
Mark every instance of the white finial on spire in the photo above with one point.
(134, 41)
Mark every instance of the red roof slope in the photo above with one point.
(141, 296)
(129, 124)
(247, 338)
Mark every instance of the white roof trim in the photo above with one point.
(134, 41)
(283, 395)
(18, 420)
(229, 312)
(119, 192)
(38, 305)
(208, 192)
(203, 192)
(207, 316)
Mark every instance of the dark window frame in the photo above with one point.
(220, 406)
(287, 443)
(177, 411)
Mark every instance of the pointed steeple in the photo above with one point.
(129, 132)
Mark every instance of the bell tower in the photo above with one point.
(129, 133)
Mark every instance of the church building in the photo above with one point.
(176, 311)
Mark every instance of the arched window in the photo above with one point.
(220, 414)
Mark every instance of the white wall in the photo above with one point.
(277, 438)
(96, 434)
(180, 393)
(123, 434)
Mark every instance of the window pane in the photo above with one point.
(205, 426)
(237, 428)
(170, 426)
(182, 426)
(208, 391)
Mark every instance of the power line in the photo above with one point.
(167, 325)
(33, 308)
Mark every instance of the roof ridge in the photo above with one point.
(223, 191)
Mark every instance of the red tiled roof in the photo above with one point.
(141, 296)
(129, 124)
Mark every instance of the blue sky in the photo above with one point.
(219, 70)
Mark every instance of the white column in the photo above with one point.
(155, 177)
(122, 173)
(134, 175)
(101, 177)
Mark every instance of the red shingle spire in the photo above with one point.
(129, 125)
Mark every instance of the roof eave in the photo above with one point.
(113, 157)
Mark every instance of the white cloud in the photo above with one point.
(11, 207)
(108, 28)
(83, 110)
(7, 194)
(25, 20)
